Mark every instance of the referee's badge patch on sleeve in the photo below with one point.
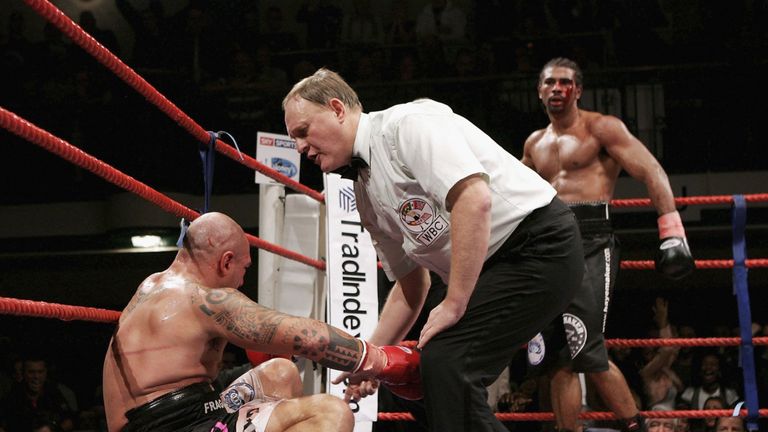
(536, 350)
(575, 333)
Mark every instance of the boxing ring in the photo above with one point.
(34, 134)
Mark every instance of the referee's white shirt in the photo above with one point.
(416, 153)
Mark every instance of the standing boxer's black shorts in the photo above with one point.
(584, 319)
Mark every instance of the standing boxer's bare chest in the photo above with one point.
(559, 154)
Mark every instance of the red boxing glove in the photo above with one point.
(395, 366)
(257, 357)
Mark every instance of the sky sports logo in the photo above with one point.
(277, 142)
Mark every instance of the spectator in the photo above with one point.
(683, 424)
(661, 425)
(660, 383)
(710, 384)
(36, 397)
(712, 403)
(729, 424)
(665, 424)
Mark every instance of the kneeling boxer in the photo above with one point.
(168, 344)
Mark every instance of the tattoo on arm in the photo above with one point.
(343, 351)
(242, 317)
(308, 338)
(323, 343)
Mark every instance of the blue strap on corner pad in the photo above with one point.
(741, 291)
(208, 156)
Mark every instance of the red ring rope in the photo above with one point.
(548, 416)
(700, 264)
(697, 200)
(33, 308)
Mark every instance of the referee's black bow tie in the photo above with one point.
(352, 170)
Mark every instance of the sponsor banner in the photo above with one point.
(279, 153)
(352, 280)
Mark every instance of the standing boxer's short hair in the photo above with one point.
(566, 63)
(321, 87)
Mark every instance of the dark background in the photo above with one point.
(705, 58)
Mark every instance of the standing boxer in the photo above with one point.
(581, 154)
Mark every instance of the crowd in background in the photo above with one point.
(36, 394)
